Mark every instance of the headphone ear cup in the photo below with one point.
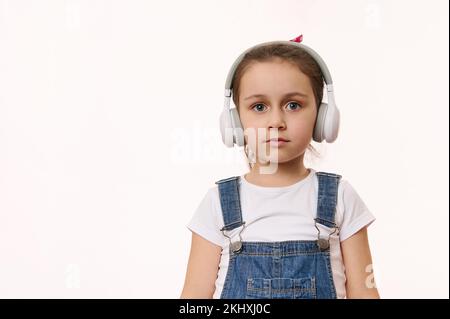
(327, 123)
(331, 125)
(226, 129)
(238, 129)
(318, 134)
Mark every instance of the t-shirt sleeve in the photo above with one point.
(206, 220)
(354, 213)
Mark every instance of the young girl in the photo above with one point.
(281, 230)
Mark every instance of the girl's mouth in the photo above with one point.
(277, 141)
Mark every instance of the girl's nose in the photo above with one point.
(276, 120)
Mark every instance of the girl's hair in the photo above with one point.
(284, 52)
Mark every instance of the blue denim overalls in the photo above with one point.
(286, 269)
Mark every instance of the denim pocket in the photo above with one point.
(281, 288)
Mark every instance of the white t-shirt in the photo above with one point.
(280, 214)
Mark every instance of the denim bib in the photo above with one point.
(287, 269)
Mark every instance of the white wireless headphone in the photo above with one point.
(327, 122)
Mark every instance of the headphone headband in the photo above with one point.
(323, 67)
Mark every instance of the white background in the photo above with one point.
(109, 134)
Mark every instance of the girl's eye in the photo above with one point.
(295, 104)
(258, 107)
(261, 107)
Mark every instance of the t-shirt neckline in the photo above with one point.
(277, 189)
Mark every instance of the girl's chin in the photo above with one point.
(279, 160)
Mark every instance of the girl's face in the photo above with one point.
(284, 104)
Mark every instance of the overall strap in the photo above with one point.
(327, 198)
(230, 202)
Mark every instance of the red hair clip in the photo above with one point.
(298, 39)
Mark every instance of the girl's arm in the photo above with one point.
(358, 266)
(202, 269)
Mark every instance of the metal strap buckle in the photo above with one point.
(236, 246)
(324, 243)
